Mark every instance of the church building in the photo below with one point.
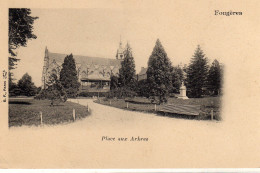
(93, 73)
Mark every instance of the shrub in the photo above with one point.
(121, 93)
(41, 95)
(91, 94)
(158, 99)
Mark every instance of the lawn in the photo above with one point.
(144, 105)
(27, 112)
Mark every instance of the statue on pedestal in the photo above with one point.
(182, 92)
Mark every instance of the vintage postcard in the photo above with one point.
(130, 84)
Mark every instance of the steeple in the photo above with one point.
(120, 51)
(120, 43)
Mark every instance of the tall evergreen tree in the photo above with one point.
(127, 71)
(215, 78)
(68, 76)
(197, 73)
(159, 73)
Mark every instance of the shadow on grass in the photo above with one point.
(137, 102)
(55, 105)
(179, 116)
(182, 116)
(20, 102)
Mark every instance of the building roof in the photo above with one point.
(79, 59)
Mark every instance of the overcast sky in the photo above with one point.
(96, 32)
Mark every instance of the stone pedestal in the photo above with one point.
(182, 92)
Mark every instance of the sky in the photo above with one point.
(179, 25)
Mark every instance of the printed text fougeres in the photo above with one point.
(138, 138)
(227, 13)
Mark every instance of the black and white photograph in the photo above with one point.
(130, 84)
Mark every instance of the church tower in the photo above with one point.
(120, 51)
(45, 68)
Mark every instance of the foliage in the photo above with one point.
(55, 91)
(177, 78)
(20, 27)
(127, 70)
(113, 82)
(26, 86)
(142, 88)
(20, 31)
(122, 92)
(41, 95)
(69, 77)
(15, 91)
(214, 78)
(197, 74)
(92, 94)
(12, 87)
(159, 73)
(38, 90)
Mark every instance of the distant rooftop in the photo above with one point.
(143, 71)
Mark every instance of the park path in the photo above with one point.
(172, 142)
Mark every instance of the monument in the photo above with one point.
(182, 92)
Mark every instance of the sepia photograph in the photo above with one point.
(130, 84)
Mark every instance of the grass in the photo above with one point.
(26, 112)
(144, 105)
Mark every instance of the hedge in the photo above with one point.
(91, 94)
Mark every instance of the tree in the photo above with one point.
(12, 85)
(143, 88)
(20, 31)
(159, 73)
(113, 82)
(26, 85)
(69, 77)
(55, 91)
(177, 78)
(197, 73)
(215, 78)
(127, 70)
